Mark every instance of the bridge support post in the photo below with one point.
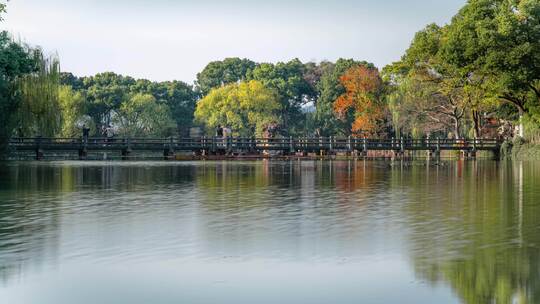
(168, 152)
(497, 154)
(228, 145)
(364, 147)
(473, 151)
(438, 149)
(437, 155)
(83, 153)
(434, 155)
(204, 150)
(253, 145)
(39, 154)
(291, 145)
(125, 153)
(213, 149)
(398, 154)
(349, 146)
(39, 150)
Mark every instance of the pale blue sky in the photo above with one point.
(167, 39)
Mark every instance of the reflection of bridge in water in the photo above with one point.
(245, 146)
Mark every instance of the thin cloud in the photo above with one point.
(163, 40)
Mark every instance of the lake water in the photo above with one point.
(269, 232)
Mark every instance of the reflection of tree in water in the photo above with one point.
(34, 197)
(294, 209)
(471, 225)
(239, 187)
(248, 182)
(472, 234)
(359, 176)
(28, 217)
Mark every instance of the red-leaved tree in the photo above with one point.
(361, 105)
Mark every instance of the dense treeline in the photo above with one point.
(133, 107)
(478, 76)
(472, 74)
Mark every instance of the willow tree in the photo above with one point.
(435, 86)
(40, 110)
(394, 100)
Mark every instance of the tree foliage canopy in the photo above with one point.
(329, 88)
(245, 107)
(361, 106)
(141, 116)
(219, 73)
(292, 89)
(15, 61)
(40, 107)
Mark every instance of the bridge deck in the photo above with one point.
(249, 145)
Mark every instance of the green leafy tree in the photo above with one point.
(219, 73)
(68, 79)
(246, 108)
(313, 73)
(141, 115)
(15, 61)
(436, 87)
(181, 100)
(105, 93)
(72, 105)
(498, 42)
(293, 90)
(178, 96)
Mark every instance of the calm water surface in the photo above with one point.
(269, 232)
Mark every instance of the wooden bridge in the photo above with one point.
(249, 146)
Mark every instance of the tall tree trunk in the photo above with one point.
(521, 127)
(476, 121)
(457, 127)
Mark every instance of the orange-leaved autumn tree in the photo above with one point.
(361, 105)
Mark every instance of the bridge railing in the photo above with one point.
(255, 143)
